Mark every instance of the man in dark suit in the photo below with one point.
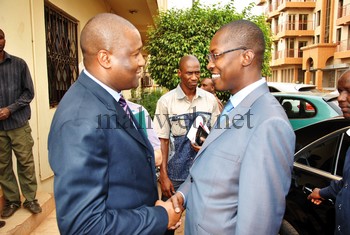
(339, 190)
(105, 181)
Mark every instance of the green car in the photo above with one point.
(305, 108)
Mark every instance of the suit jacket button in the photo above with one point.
(191, 179)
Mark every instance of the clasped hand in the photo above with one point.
(174, 208)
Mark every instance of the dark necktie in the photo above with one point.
(124, 105)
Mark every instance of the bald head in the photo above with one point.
(111, 49)
(105, 31)
(208, 85)
(185, 59)
(245, 33)
(2, 33)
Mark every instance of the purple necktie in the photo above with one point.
(124, 105)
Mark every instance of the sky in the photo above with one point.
(239, 4)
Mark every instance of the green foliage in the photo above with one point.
(149, 100)
(183, 32)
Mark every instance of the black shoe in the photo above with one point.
(9, 209)
(2, 223)
(33, 206)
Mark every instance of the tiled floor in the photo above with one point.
(48, 227)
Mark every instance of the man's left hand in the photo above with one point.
(4, 113)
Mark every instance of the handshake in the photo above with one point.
(174, 208)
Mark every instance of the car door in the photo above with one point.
(316, 164)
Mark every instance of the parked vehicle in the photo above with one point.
(319, 159)
(305, 108)
(290, 87)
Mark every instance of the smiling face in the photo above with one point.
(111, 49)
(127, 63)
(236, 55)
(344, 94)
(227, 68)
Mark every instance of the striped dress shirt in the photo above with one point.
(16, 91)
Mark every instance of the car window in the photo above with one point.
(298, 108)
(272, 89)
(334, 104)
(324, 154)
(320, 155)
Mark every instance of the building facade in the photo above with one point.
(310, 40)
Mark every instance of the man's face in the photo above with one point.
(344, 94)
(2, 41)
(225, 68)
(127, 63)
(208, 85)
(190, 74)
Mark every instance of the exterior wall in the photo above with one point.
(24, 27)
(322, 61)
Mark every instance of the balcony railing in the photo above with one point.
(343, 45)
(295, 25)
(283, 1)
(344, 11)
(288, 53)
(275, 4)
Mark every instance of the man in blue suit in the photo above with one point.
(105, 181)
(241, 175)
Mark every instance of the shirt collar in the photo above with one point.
(7, 56)
(181, 95)
(115, 94)
(239, 96)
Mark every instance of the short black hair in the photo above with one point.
(244, 33)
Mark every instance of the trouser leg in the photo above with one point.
(8, 179)
(22, 145)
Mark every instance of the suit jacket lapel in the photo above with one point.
(113, 105)
(241, 109)
(128, 126)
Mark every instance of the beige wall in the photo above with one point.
(24, 26)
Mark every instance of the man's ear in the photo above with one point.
(179, 72)
(247, 57)
(104, 58)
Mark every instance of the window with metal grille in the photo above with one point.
(146, 81)
(62, 52)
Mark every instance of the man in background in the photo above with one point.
(176, 112)
(339, 190)
(207, 84)
(16, 93)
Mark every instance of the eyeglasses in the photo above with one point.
(213, 57)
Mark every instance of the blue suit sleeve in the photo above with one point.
(332, 190)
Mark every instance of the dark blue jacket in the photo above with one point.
(340, 190)
(105, 181)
